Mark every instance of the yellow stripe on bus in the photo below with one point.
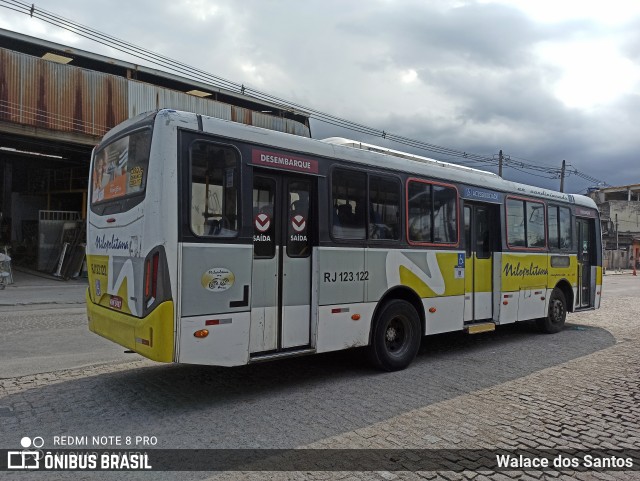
(132, 332)
(447, 262)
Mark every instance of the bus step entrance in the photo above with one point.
(480, 327)
(271, 355)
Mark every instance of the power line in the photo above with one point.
(536, 164)
(193, 73)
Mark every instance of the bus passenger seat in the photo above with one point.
(345, 215)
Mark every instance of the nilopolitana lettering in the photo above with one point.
(114, 243)
(518, 271)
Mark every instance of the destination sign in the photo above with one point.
(580, 212)
(284, 161)
(484, 195)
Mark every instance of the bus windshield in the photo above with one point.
(120, 167)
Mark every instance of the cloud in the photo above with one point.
(471, 35)
(477, 77)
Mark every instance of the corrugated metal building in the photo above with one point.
(56, 102)
(65, 98)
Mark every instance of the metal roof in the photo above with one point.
(398, 153)
(36, 46)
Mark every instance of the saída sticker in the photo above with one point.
(217, 279)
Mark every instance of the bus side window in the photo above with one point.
(298, 231)
(432, 212)
(384, 208)
(483, 233)
(515, 223)
(214, 190)
(559, 228)
(348, 193)
(525, 223)
(264, 231)
(467, 230)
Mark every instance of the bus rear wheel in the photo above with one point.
(556, 315)
(396, 336)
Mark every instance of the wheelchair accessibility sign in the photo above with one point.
(459, 269)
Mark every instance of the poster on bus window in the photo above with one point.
(111, 177)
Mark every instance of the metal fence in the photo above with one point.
(53, 227)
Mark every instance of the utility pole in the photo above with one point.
(617, 251)
(562, 176)
(500, 158)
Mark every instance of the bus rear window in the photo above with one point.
(120, 168)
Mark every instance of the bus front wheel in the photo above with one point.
(556, 315)
(396, 336)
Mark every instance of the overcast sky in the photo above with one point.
(543, 80)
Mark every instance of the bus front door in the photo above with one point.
(586, 259)
(480, 242)
(281, 277)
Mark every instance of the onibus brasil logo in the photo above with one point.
(29, 457)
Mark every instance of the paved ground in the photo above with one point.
(43, 328)
(40, 290)
(51, 338)
(509, 389)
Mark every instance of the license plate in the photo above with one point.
(116, 302)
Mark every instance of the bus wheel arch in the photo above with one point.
(396, 330)
(556, 313)
(564, 286)
(406, 294)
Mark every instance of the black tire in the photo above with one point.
(396, 336)
(556, 315)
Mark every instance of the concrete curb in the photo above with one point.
(623, 273)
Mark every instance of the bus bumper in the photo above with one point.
(152, 336)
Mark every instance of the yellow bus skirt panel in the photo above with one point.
(152, 336)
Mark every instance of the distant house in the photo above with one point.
(620, 217)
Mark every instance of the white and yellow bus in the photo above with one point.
(212, 242)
